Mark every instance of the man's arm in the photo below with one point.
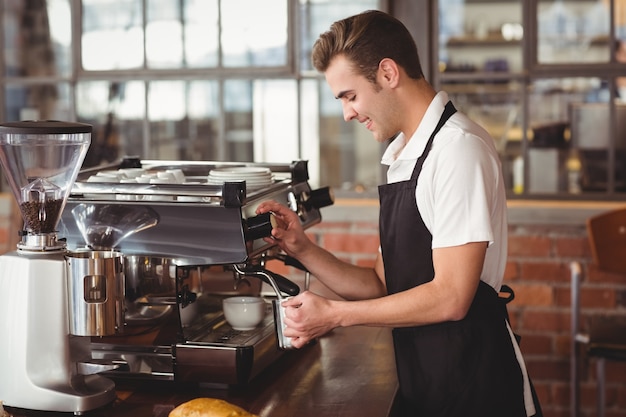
(346, 280)
(447, 297)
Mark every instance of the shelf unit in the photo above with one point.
(527, 95)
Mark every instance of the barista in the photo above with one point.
(443, 235)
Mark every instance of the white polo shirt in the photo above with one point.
(460, 191)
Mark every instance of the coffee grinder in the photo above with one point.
(52, 300)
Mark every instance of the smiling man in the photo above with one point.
(443, 234)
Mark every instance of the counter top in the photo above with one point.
(520, 212)
(348, 373)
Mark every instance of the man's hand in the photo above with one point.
(308, 316)
(287, 231)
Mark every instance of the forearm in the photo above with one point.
(447, 297)
(349, 281)
(419, 306)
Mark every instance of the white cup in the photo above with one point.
(132, 172)
(178, 174)
(166, 177)
(145, 178)
(243, 312)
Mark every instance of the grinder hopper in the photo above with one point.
(41, 160)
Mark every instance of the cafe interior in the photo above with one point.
(195, 87)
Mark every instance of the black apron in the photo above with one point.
(461, 368)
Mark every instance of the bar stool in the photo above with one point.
(605, 336)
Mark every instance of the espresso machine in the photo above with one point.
(190, 237)
(52, 300)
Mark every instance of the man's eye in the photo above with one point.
(351, 98)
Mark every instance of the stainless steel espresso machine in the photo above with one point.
(155, 247)
(52, 300)
(190, 237)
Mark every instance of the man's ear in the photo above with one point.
(388, 72)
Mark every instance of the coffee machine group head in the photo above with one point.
(52, 299)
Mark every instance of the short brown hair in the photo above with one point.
(365, 39)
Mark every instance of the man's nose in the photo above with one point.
(348, 113)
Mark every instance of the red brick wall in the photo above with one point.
(9, 223)
(538, 271)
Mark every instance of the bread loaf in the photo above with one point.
(209, 407)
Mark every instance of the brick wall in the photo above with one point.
(538, 271)
(9, 225)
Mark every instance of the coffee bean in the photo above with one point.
(41, 217)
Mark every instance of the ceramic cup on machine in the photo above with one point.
(244, 313)
(95, 292)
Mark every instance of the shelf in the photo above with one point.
(489, 40)
(475, 88)
(487, 77)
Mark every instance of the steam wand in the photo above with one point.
(290, 261)
(264, 275)
(284, 342)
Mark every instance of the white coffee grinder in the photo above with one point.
(52, 299)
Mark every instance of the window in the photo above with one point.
(545, 78)
(223, 80)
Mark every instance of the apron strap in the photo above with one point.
(448, 111)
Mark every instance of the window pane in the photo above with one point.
(480, 36)
(203, 117)
(496, 106)
(164, 34)
(254, 33)
(112, 35)
(592, 137)
(620, 56)
(342, 155)
(571, 132)
(309, 128)
(37, 39)
(201, 33)
(620, 46)
(11, 31)
(275, 120)
(317, 16)
(38, 102)
(349, 155)
(238, 120)
(573, 31)
(620, 19)
(167, 110)
(117, 111)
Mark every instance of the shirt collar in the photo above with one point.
(401, 148)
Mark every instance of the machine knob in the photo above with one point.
(322, 197)
(260, 226)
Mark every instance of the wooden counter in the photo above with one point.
(348, 373)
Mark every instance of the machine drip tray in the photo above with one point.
(218, 354)
(223, 334)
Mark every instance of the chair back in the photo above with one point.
(607, 236)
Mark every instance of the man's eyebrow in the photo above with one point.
(342, 94)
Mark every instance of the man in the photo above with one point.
(443, 234)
